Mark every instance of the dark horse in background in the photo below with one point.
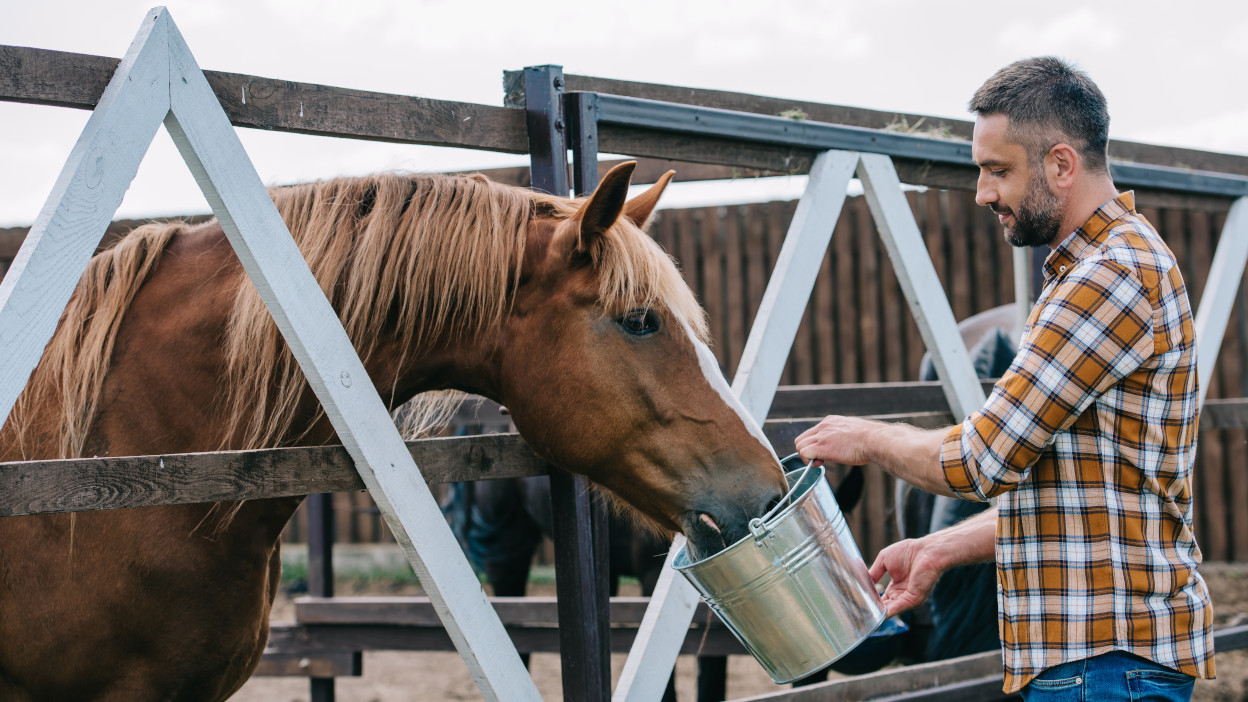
(563, 310)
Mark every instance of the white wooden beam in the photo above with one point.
(1022, 286)
(82, 203)
(1221, 289)
(207, 142)
(920, 284)
(653, 655)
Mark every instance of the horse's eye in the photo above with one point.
(640, 322)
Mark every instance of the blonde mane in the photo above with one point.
(404, 258)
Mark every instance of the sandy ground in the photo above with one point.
(406, 676)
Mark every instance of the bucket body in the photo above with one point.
(796, 593)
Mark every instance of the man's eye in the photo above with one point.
(640, 322)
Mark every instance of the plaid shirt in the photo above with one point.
(1089, 439)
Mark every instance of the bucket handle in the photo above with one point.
(758, 525)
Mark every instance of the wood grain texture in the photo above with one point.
(64, 79)
(311, 665)
(69, 485)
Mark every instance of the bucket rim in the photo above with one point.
(793, 500)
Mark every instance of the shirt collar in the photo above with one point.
(1091, 234)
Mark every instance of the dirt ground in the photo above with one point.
(417, 677)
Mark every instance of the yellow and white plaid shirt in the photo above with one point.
(1089, 439)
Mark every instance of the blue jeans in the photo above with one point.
(1116, 676)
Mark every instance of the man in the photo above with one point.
(1088, 439)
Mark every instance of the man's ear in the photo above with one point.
(1062, 164)
(641, 207)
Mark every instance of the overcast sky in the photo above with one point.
(1173, 72)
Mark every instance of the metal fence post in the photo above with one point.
(579, 520)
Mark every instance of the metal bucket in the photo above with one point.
(796, 593)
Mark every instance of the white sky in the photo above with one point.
(1172, 72)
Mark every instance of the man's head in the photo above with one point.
(1041, 128)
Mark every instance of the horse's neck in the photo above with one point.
(161, 390)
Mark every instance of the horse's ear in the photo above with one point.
(641, 207)
(604, 207)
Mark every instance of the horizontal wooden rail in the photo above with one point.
(328, 625)
(311, 665)
(72, 485)
(80, 484)
(64, 79)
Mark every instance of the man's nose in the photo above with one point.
(984, 193)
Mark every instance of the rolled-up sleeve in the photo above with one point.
(1094, 330)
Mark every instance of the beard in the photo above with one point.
(1038, 218)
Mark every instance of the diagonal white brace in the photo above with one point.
(920, 284)
(1221, 290)
(159, 80)
(207, 142)
(82, 203)
(662, 630)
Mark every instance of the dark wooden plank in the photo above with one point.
(870, 261)
(581, 567)
(32, 487)
(686, 231)
(318, 665)
(892, 309)
(320, 513)
(957, 278)
(734, 281)
(110, 483)
(755, 261)
(845, 292)
(823, 318)
(74, 80)
(418, 611)
(545, 639)
(714, 294)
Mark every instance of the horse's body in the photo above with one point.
(569, 316)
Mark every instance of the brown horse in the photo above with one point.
(562, 310)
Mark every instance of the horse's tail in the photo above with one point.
(72, 371)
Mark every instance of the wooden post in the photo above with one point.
(321, 571)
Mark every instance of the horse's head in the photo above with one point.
(603, 366)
